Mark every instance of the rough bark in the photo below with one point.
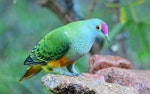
(138, 79)
(59, 84)
(118, 70)
(98, 62)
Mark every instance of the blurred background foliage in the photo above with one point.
(24, 22)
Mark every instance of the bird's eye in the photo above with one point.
(97, 27)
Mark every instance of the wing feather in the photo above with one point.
(51, 47)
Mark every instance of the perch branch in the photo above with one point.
(59, 84)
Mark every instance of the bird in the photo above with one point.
(63, 46)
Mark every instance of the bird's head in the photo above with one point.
(102, 27)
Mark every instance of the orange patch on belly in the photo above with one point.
(64, 61)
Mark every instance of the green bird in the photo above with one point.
(63, 46)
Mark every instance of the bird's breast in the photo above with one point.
(80, 45)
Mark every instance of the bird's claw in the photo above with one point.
(70, 74)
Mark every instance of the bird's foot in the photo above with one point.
(70, 74)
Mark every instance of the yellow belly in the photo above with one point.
(64, 61)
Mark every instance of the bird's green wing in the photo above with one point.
(52, 47)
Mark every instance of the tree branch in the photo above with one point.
(66, 10)
(59, 84)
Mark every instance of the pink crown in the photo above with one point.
(104, 28)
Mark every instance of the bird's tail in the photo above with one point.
(33, 70)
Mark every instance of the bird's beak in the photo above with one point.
(107, 38)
